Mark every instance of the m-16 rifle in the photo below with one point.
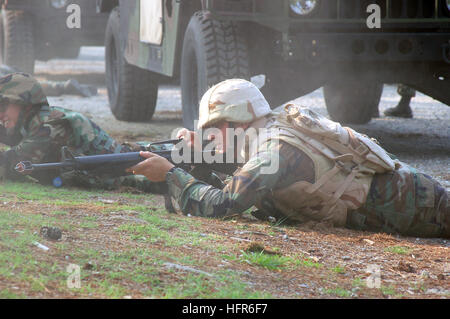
(114, 165)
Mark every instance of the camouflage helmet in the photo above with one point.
(21, 89)
(234, 100)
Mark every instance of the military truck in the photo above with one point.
(297, 45)
(37, 30)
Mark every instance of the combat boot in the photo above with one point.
(401, 110)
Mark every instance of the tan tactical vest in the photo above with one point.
(344, 161)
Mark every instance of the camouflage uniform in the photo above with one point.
(402, 201)
(306, 186)
(44, 130)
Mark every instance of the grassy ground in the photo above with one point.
(125, 245)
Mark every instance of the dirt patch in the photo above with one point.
(330, 262)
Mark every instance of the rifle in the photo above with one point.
(114, 165)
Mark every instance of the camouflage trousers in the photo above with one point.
(406, 91)
(406, 202)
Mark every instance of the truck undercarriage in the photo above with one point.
(298, 46)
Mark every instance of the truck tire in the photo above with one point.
(352, 102)
(16, 40)
(132, 91)
(213, 51)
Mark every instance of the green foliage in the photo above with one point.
(339, 292)
(271, 262)
(398, 250)
(389, 291)
(307, 262)
(338, 269)
(227, 285)
(8, 294)
(359, 282)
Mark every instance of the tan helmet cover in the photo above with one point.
(234, 100)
